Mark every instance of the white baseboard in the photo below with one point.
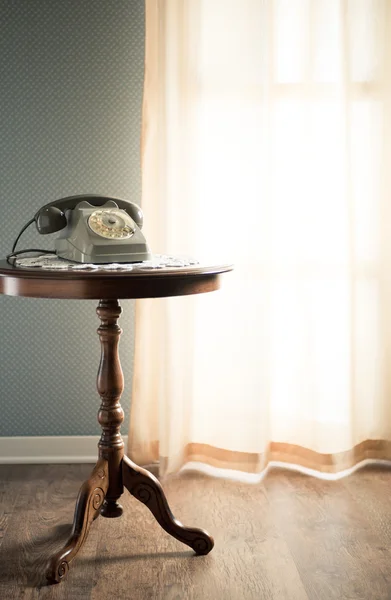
(50, 449)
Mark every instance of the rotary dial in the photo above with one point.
(112, 223)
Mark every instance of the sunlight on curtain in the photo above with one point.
(266, 141)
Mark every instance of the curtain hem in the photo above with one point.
(291, 454)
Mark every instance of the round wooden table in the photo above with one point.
(114, 470)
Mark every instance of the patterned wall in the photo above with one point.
(71, 76)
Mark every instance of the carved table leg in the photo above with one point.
(101, 492)
(89, 501)
(145, 487)
(138, 481)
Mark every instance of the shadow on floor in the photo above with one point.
(27, 564)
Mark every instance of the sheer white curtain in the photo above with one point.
(267, 141)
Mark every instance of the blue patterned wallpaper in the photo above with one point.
(71, 77)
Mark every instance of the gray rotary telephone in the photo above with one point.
(94, 229)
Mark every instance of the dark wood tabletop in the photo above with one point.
(36, 282)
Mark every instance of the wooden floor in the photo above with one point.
(291, 537)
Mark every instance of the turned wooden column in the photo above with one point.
(110, 384)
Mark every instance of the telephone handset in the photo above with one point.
(51, 217)
(94, 229)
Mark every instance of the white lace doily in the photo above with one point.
(53, 262)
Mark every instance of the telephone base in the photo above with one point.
(85, 240)
(65, 249)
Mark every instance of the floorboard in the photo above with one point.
(290, 537)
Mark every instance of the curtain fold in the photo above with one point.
(266, 140)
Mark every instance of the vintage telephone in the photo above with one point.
(94, 229)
